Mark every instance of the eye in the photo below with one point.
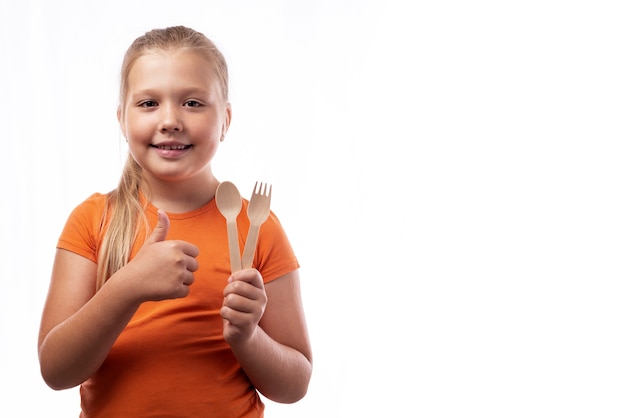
(148, 103)
(192, 103)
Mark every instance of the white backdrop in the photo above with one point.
(451, 175)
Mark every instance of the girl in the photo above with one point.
(142, 311)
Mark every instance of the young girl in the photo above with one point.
(143, 312)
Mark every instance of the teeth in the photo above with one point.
(172, 147)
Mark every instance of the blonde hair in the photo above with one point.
(126, 211)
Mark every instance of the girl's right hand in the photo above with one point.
(163, 269)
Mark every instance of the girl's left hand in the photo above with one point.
(244, 303)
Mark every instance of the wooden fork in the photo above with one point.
(258, 211)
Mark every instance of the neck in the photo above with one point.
(182, 196)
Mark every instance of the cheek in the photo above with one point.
(205, 132)
(138, 133)
(208, 147)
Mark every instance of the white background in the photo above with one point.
(451, 175)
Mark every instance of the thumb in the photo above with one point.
(162, 227)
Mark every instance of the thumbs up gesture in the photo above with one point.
(163, 269)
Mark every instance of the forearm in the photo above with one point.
(73, 350)
(279, 372)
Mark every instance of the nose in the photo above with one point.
(170, 119)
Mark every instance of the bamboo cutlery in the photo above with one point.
(229, 204)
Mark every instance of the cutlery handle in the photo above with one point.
(233, 246)
(248, 249)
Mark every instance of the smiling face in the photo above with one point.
(173, 115)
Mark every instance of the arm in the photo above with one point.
(266, 329)
(79, 325)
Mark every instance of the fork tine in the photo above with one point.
(262, 189)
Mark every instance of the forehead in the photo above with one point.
(157, 69)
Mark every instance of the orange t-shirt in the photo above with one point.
(171, 360)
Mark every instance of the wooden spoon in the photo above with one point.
(228, 202)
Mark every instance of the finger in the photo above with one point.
(234, 316)
(244, 289)
(161, 229)
(251, 276)
(192, 264)
(239, 318)
(190, 253)
(243, 304)
(188, 279)
(190, 249)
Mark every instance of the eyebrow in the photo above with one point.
(183, 92)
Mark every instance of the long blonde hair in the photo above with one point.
(127, 213)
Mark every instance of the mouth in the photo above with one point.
(179, 147)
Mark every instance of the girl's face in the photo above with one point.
(173, 116)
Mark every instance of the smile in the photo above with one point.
(171, 147)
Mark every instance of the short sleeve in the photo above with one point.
(81, 232)
(275, 255)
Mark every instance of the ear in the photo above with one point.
(227, 116)
(120, 120)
